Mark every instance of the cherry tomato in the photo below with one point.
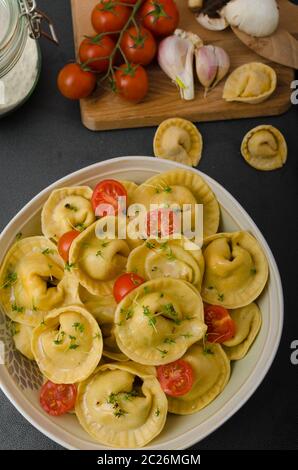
(125, 284)
(138, 45)
(221, 327)
(109, 16)
(164, 220)
(131, 82)
(131, 2)
(75, 83)
(64, 243)
(107, 192)
(94, 48)
(160, 16)
(57, 399)
(176, 378)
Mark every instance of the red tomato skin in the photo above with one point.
(109, 21)
(90, 50)
(125, 284)
(176, 378)
(158, 214)
(221, 326)
(132, 88)
(142, 53)
(106, 192)
(131, 2)
(57, 399)
(64, 243)
(163, 25)
(75, 83)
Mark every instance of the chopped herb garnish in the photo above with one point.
(79, 327)
(128, 312)
(97, 336)
(34, 308)
(253, 271)
(71, 207)
(80, 227)
(189, 318)
(151, 318)
(164, 245)
(163, 352)
(73, 346)
(146, 290)
(72, 337)
(220, 297)
(112, 398)
(119, 412)
(168, 189)
(42, 323)
(169, 310)
(130, 395)
(210, 287)
(13, 328)
(150, 245)
(99, 253)
(104, 244)
(19, 236)
(170, 255)
(187, 335)
(169, 341)
(136, 282)
(157, 412)
(161, 295)
(48, 251)
(16, 308)
(60, 337)
(154, 269)
(85, 245)
(208, 351)
(9, 280)
(68, 266)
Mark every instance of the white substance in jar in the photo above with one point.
(17, 84)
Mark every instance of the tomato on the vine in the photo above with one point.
(138, 45)
(57, 399)
(131, 82)
(75, 83)
(160, 16)
(125, 284)
(221, 326)
(176, 378)
(96, 48)
(109, 16)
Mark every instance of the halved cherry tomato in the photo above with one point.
(94, 48)
(125, 284)
(109, 16)
(131, 2)
(131, 82)
(164, 220)
(176, 378)
(64, 243)
(138, 45)
(107, 192)
(160, 16)
(221, 327)
(75, 83)
(57, 399)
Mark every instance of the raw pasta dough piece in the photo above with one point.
(67, 346)
(248, 322)
(236, 269)
(158, 321)
(251, 83)
(67, 209)
(211, 369)
(122, 405)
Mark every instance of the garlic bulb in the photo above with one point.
(214, 24)
(254, 17)
(175, 58)
(212, 65)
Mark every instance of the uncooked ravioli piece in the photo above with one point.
(122, 405)
(251, 83)
(178, 140)
(264, 148)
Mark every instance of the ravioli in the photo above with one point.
(67, 345)
(22, 335)
(169, 258)
(251, 83)
(158, 321)
(97, 262)
(181, 187)
(211, 369)
(122, 405)
(248, 322)
(236, 269)
(32, 280)
(67, 209)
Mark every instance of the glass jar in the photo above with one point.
(20, 57)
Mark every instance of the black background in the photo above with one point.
(45, 140)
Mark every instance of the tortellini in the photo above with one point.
(67, 345)
(181, 187)
(22, 335)
(236, 269)
(248, 322)
(102, 307)
(97, 262)
(32, 279)
(265, 148)
(211, 369)
(158, 321)
(122, 405)
(130, 187)
(169, 258)
(178, 140)
(251, 83)
(67, 209)
(110, 346)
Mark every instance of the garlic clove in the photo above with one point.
(206, 65)
(223, 64)
(213, 24)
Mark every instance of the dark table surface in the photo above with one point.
(45, 140)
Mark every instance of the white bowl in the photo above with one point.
(20, 380)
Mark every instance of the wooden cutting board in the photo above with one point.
(104, 110)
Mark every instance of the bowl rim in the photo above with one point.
(247, 389)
